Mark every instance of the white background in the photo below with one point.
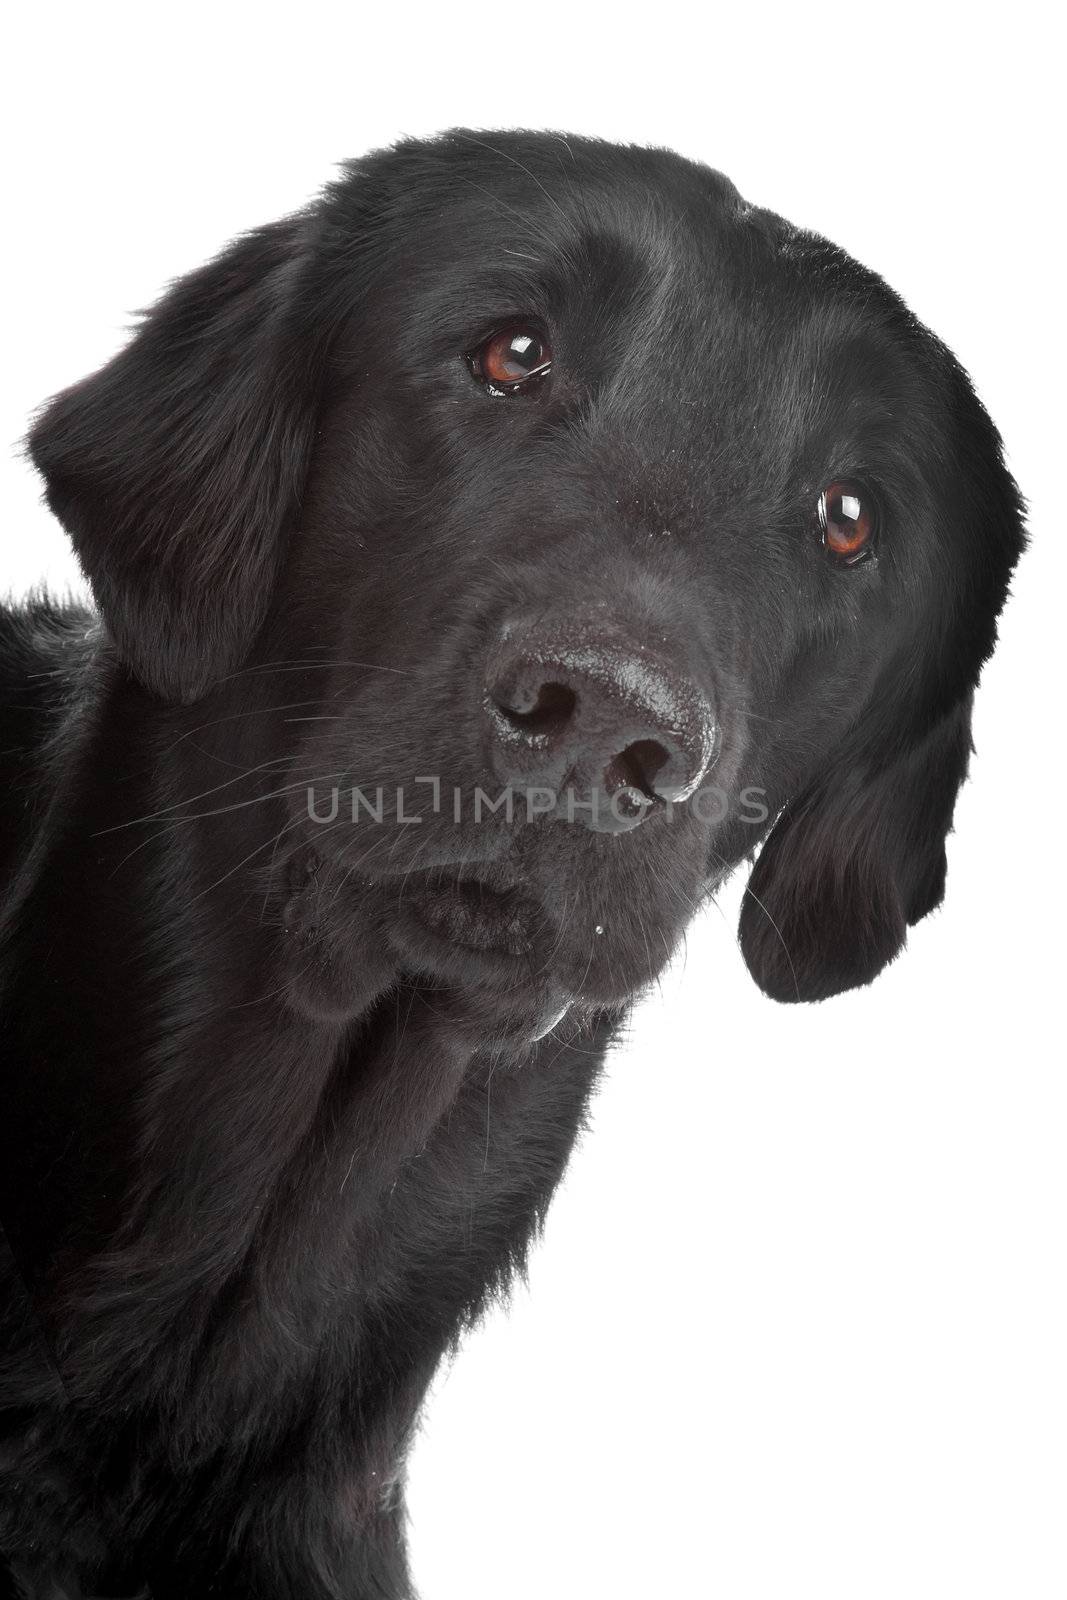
(798, 1325)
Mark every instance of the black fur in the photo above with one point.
(250, 1173)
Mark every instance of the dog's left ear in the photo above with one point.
(178, 468)
(852, 863)
(859, 855)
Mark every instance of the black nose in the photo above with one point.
(603, 722)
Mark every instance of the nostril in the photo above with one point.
(636, 768)
(646, 758)
(540, 712)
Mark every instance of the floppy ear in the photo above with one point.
(178, 467)
(852, 862)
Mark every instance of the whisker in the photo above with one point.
(297, 665)
(157, 816)
(515, 162)
(501, 205)
(781, 937)
(237, 716)
(251, 854)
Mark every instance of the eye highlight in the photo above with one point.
(515, 360)
(847, 519)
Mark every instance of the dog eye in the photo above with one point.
(847, 519)
(512, 361)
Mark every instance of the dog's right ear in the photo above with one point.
(178, 468)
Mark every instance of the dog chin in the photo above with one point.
(503, 965)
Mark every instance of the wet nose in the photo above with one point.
(603, 722)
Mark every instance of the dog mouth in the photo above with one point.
(486, 913)
(528, 940)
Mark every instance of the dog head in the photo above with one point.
(598, 525)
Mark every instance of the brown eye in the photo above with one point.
(511, 359)
(847, 517)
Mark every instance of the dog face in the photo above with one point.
(604, 526)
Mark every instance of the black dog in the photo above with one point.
(486, 560)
